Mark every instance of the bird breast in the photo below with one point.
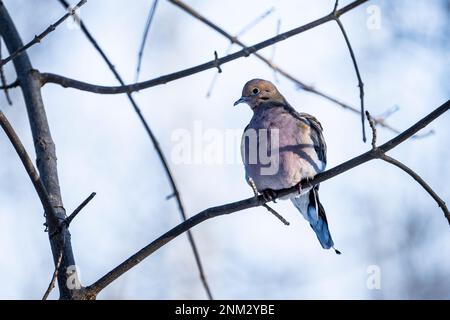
(277, 150)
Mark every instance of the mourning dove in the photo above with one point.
(280, 147)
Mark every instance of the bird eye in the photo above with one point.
(255, 91)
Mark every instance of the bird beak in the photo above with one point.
(241, 100)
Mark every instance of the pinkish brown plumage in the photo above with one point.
(280, 147)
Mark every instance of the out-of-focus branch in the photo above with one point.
(302, 85)
(175, 191)
(355, 65)
(51, 285)
(14, 84)
(38, 38)
(381, 155)
(92, 290)
(3, 79)
(84, 86)
(148, 24)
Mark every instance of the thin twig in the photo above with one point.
(29, 167)
(276, 214)
(241, 32)
(355, 65)
(300, 84)
(382, 155)
(14, 84)
(3, 79)
(175, 191)
(84, 86)
(213, 212)
(252, 184)
(41, 36)
(144, 37)
(57, 267)
(72, 216)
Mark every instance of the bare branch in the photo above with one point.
(40, 37)
(28, 165)
(241, 32)
(44, 146)
(275, 67)
(381, 155)
(144, 37)
(72, 216)
(84, 86)
(252, 202)
(175, 191)
(355, 65)
(14, 84)
(57, 267)
(3, 79)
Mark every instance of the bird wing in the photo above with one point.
(316, 132)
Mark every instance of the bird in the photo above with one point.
(280, 147)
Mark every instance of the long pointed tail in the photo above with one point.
(312, 210)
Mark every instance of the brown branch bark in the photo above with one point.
(175, 191)
(84, 86)
(92, 290)
(43, 142)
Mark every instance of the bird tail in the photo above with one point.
(312, 210)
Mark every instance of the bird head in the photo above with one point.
(258, 91)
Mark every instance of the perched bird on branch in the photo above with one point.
(280, 147)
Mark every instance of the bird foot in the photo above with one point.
(269, 195)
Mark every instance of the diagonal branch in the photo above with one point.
(252, 202)
(271, 64)
(175, 191)
(28, 165)
(14, 84)
(355, 65)
(38, 38)
(381, 155)
(84, 86)
(148, 24)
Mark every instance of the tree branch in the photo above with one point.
(148, 24)
(14, 84)
(302, 85)
(355, 65)
(40, 37)
(84, 86)
(43, 143)
(381, 155)
(3, 79)
(175, 190)
(29, 167)
(72, 216)
(252, 202)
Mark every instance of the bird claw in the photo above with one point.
(269, 195)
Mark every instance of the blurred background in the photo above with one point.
(382, 221)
